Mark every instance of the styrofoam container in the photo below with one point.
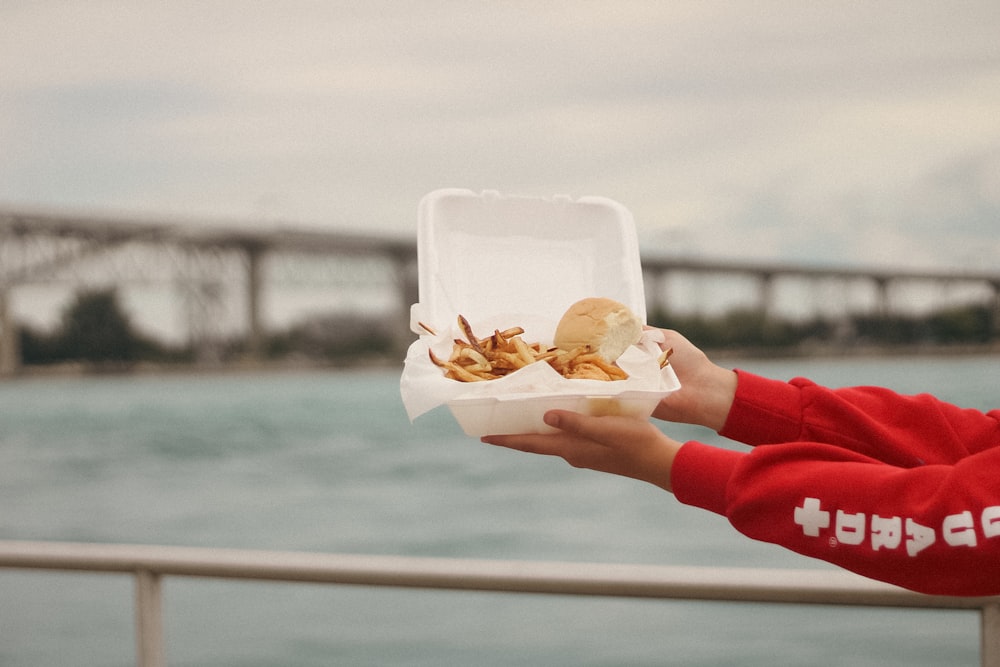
(504, 261)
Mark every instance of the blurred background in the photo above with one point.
(849, 134)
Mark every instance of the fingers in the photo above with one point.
(577, 433)
(605, 430)
(549, 444)
(566, 440)
(578, 445)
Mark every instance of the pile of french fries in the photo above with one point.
(477, 359)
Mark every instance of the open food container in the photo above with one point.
(504, 261)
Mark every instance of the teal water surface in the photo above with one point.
(327, 461)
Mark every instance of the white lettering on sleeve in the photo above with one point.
(959, 530)
(811, 517)
(850, 527)
(887, 532)
(918, 537)
(991, 521)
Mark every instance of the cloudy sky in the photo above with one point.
(843, 132)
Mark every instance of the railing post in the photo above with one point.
(990, 639)
(148, 620)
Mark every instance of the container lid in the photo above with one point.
(482, 254)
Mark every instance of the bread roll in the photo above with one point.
(608, 327)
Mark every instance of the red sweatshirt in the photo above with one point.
(904, 489)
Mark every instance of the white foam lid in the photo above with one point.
(480, 254)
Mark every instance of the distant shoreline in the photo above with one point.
(856, 351)
(250, 367)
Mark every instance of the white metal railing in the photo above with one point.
(149, 564)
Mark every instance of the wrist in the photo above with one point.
(657, 470)
(718, 400)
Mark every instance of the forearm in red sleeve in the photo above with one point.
(902, 430)
(934, 528)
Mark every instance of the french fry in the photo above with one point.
(479, 361)
(465, 375)
(564, 359)
(510, 333)
(597, 360)
(455, 371)
(523, 351)
(467, 330)
(548, 354)
(586, 370)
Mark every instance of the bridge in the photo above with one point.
(216, 268)
(221, 271)
(881, 283)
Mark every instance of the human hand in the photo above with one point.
(618, 445)
(707, 389)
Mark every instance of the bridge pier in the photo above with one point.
(202, 275)
(765, 295)
(10, 341)
(995, 309)
(656, 289)
(883, 306)
(256, 337)
(406, 280)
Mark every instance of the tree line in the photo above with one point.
(972, 324)
(94, 329)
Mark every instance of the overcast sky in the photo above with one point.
(842, 132)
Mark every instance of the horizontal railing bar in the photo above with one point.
(822, 587)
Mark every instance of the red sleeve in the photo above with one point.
(933, 528)
(901, 430)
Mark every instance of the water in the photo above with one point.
(328, 462)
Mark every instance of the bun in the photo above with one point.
(608, 327)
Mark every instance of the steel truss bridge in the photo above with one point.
(221, 273)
